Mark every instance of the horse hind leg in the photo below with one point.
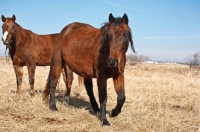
(46, 92)
(19, 74)
(68, 79)
(56, 71)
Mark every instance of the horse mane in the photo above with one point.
(7, 55)
(105, 31)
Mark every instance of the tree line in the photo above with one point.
(192, 60)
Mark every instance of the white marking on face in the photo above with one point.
(5, 35)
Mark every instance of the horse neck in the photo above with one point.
(19, 38)
(20, 34)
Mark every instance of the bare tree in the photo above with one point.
(143, 58)
(193, 60)
(134, 59)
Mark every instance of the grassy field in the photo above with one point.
(159, 98)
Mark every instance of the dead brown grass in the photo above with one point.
(159, 98)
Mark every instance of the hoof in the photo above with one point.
(66, 98)
(53, 108)
(97, 111)
(44, 97)
(32, 94)
(105, 122)
(18, 91)
(12, 91)
(113, 113)
(40, 91)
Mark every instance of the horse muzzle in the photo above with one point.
(112, 62)
(6, 42)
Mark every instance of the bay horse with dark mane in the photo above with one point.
(94, 53)
(29, 49)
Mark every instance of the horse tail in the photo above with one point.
(64, 73)
(80, 81)
(46, 92)
(49, 79)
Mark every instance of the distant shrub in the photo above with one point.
(134, 59)
(193, 60)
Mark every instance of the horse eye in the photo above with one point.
(125, 35)
(13, 26)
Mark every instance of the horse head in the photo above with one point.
(8, 28)
(119, 37)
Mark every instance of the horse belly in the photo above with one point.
(79, 61)
(81, 66)
(44, 55)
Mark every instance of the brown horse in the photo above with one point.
(29, 49)
(94, 53)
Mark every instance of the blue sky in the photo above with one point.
(164, 30)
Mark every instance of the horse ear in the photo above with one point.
(3, 18)
(125, 19)
(111, 18)
(13, 17)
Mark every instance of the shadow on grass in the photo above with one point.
(77, 102)
(74, 101)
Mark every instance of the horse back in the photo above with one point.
(31, 48)
(45, 48)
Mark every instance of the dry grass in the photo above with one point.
(159, 98)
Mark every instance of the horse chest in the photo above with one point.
(18, 60)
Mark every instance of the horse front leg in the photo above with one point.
(31, 74)
(19, 74)
(119, 88)
(102, 89)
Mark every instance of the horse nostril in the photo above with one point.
(112, 62)
(116, 60)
